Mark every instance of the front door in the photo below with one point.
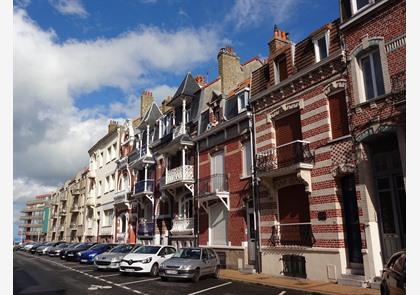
(351, 219)
(391, 200)
(251, 232)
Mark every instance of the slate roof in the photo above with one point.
(188, 87)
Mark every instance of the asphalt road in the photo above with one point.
(38, 275)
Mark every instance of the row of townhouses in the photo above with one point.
(293, 165)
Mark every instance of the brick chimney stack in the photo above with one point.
(112, 125)
(279, 40)
(230, 70)
(146, 101)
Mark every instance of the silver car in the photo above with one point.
(112, 258)
(191, 263)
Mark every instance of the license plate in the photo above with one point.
(83, 260)
(171, 272)
(70, 255)
(129, 269)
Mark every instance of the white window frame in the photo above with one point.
(355, 10)
(245, 94)
(106, 184)
(244, 159)
(315, 41)
(276, 64)
(372, 68)
(107, 220)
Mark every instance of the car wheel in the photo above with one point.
(216, 272)
(154, 271)
(164, 279)
(196, 276)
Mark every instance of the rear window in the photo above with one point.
(147, 250)
(188, 254)
(122, 249)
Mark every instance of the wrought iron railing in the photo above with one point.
(213, 184)
(284, 156)
(182, 226)
(144, 186)
(292, 234)
(179, 130)
(181, 173)
(146, 229)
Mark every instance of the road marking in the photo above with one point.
(204, 290)
(127, 283)
(104, 276)
(88, 270)
(96, 287)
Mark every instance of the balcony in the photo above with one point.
(181, 174)
(213, 184)
(122, 163)
(144, 187)
(146, 229)
(90, 202)
(140, 157)
(292, 235)
(75, 208)
(183, 227)
(121, 237)
(285, 159)
(121, 196)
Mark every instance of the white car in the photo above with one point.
(146, 259)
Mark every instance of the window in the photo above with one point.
(338, 115)
(100, 188)
(107, 184)
(280, 69)
(112, 182)
(246, 159)
(357, 5)
(114, 150)
(101, 159)
(321, 45)
(371, 69)
(107, 221)
(108, 154)
(242, 101)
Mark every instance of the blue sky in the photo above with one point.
(80, 63)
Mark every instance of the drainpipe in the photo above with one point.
(255, 193)
(196, 213)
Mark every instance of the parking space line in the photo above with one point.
(112, 275)
(214, 287)
(88, 270)
(127, 283)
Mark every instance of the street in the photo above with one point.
(52, 276)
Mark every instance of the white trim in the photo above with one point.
(315, 41)
(355, 9)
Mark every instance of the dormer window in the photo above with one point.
(321, 44)
(280, 69)
(357, 5)
(242, 101)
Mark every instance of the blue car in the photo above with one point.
(87, 256)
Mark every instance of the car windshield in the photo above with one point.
(147, 250)
(62, 246)
(98, 246)
(188, 253)
(121, 249)
(84, 245)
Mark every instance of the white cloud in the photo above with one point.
(252, 12)
(26, 189)
(69, 7)
(52, 136)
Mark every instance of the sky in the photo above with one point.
(80, 63)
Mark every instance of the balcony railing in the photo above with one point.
(144, 186)
(121, 196)
(213, 184)
(121, 163)
(179, 130)
(181, 173)
(292, 234)
(75, 208)
(284, 156)
(183, 226)
(146, 229)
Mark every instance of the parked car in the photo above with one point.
(28, 246)
(112, 258)
(36, 246)
(87, 256)
(55, 251)
(191, 263)
(40, 249)
(393, 275)
(146, 259)
(72, 253)
(63, 252)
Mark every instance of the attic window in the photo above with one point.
(280, 67)
(242, 101)
(357, 5)
(321, 44)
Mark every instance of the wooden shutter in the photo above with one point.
(288, 129)
(338, 115)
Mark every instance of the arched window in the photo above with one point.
(186, 207)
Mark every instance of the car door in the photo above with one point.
(161, 256)
(205, 261)
(213, 260)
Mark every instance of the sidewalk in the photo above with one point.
(296, 284)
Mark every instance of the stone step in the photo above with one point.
(353, 280)
(247, 269)
(355, 271)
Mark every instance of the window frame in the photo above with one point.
(355, 10)
(244, 158)
(315, 41)
(277, 61)
(245, 93)
(369, 54)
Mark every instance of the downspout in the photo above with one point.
(196, 214)
(255, 192)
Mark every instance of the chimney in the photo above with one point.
(200, 80)
(164, 107)
(112, 126)
(230, 70)
(146, 101)
(279, 40)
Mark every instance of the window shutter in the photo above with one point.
(338, 115)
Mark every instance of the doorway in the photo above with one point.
(251, 232)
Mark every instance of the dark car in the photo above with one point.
(88, 255)
(72, 253)
(55, 251)
(393, 275)
(63, 252)
(36, 246)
